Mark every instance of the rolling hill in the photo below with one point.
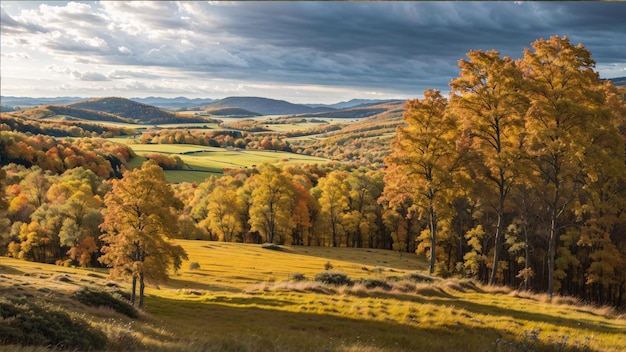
(49, 111)
(264, 106)
(129, 109)
(355, 112)
(353, 103)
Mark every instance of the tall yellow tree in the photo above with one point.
(272, 198)
(139, 218)
(224, 209)
(425, 157)
(487, 99)
(333, 196)
(566, 105)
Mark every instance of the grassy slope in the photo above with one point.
(239, 300)
(204, 160)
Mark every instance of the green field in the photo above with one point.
(202, 161)
(244, 297)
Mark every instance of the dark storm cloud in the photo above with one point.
(402, 47)
(381, 42)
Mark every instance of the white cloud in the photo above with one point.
(88, 76)
(124, 50)
(16, 56)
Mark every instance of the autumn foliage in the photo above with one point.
(518, 177)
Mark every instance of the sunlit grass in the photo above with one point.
(243, 297)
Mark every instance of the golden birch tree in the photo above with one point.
(139, 218)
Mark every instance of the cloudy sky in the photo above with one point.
(303, 52)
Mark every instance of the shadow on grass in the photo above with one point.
(9, 270)
(188, 284)
(211, 326)
(490, 310)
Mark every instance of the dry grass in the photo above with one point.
(246, 298)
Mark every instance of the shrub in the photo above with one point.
(194, 266)
(272, 246)
(374, 283)
(27, 323)
(298, 277)
(102, 298)
(333, 278)
(328, 266)
(417, 277)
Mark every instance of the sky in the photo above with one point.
(302, 52)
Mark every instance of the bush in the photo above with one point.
(333, 278)
(26, 323)
(298, 277)
(328, 266)
(194, 266)
(272, 246)
(102, 298)
(374, 283)
(417, 277)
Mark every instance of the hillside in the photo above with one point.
(367, 141)
(49, 111)
(264, 106)
(353, 103)
(244, 297)
(129, 109)
(356, 112)
(231, 112)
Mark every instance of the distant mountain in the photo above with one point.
(264, 106)
(618, 81)
(6, 108)
(130, 109)
(179, 102)
(351, 103)
(28, 101)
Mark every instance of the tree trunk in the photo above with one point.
(551, 254)
(496, 249)
(141, 289)
(497, 245)
(433, 238)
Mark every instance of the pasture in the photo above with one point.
(244, 297)
(202, 161)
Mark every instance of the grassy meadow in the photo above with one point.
(204, 161)
(244, 297)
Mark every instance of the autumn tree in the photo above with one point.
(426, 157)
(5, 223)
(333, 194)
(566, 106)
(224, 208)
(487, 100)
(271, 204)
(304, 206)
(365, 214)
(603, 199)
(139, 217)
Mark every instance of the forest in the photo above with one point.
(517, 178)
